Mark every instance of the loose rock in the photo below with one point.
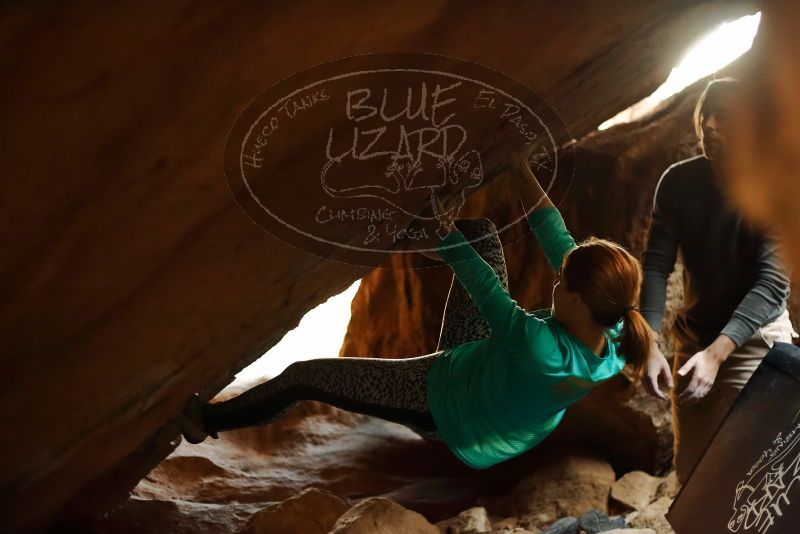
(654, 517)
(635, 490)
(669, 486)
(378, 515)
(472, 521)
(312, 511)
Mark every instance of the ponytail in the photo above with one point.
(635, 341)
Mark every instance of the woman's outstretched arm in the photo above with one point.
(544, 219)
(479, 279)
(530, 190)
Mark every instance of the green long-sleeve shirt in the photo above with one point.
(497, 397)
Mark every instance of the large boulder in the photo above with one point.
(131, 277)
(331, 450)
(567, 485)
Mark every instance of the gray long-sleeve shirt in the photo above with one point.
(734, 281)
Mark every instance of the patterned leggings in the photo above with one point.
(390, 389)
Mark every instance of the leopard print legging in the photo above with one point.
(391, 389)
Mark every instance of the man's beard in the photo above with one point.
(713, 148)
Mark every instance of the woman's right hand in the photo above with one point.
(531, 193)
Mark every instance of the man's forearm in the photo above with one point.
(768, 295)
(661, 252)
(657, 264)
(654, 292)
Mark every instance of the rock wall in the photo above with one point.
(131, 277)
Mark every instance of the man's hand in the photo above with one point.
(657, 372)
(704, 366)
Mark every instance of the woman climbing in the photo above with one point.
(501, 378)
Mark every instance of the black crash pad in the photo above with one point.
(748, 479)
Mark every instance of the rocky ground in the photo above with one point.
(322, 470)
